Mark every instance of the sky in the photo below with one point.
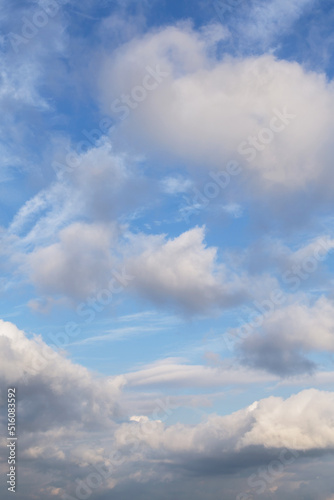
(167, 237)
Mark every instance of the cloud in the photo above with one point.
(94, 185)
(63, 237)
(180, 273)
(283, 359)
(303, 263)
(109, 185)
(287, 335)
(301, 422)
(272, 116)
(71, 422)
(53, 390)
(323, 379)
(78, 265)
(130, 326)
(259, 25)
(172, 372)
(175, 185)
(25, 73)
(183, 272)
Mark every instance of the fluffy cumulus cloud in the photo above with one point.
(271, 116)
(59, 402)
(183, 271)
(54, 391)
(270, 442)
(271, 423)
(288, 334)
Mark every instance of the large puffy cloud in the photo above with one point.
(270, 435)
(271, 423)
(301, 422)
(286, 336)
(205, 111)
(53, 390)
(184, 272)
(61, 407)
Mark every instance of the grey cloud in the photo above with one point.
(287, 335)
(69, 424)
(181, 273)
(272, 355)
(52, 390)
(184, 273)
(79, 265)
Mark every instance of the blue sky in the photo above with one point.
(166, 227)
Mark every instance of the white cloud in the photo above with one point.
(263, 22)
(92, 185)
(183, 272)
(63, 237)
(175, 373)
(301, 422)
(175, 185)
(209, 107)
